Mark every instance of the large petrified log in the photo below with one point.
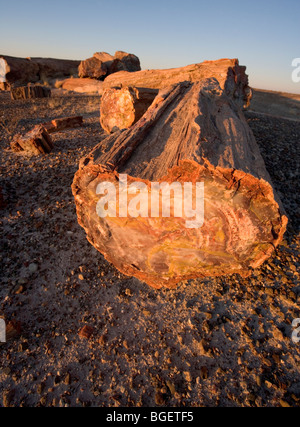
(30, 70)
(191, 133)
(230, 75)
(57, 125)
(120, 107)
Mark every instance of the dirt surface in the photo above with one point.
(212, 342)
(278, 104)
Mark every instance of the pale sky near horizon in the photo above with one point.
(264, 35)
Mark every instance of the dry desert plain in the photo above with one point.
(215, 342)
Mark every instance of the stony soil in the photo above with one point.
(212, 342)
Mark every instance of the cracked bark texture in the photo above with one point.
(231, 76)
(192, 132)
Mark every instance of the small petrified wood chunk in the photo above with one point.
(36, 141)
(63, 123)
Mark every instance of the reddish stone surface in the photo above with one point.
(120, 108)
(231, 77)
(25, 70)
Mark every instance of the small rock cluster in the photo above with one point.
(102, 64)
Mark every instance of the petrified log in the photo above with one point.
(104, 57)
(121, 61)
(54, 68)
(191, 134)
(57, 125)
(30, 91)
(19, 70)
(83, 85)
(230, 75)
(24, 70)
(36, 141)
(120, 108)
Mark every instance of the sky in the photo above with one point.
(264, 35)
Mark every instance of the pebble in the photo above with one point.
(33, 268)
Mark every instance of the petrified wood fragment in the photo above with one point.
(191, 134)
(30, 91)
(63, 123)
(120, 107)
(36, 141)
(24, 70)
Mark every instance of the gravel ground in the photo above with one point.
(213, 342)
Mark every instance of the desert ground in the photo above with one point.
(278, 104)
(216, 342)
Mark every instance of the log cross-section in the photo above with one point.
(231, 76)
(121, 107)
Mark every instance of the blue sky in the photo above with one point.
(264, 35)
